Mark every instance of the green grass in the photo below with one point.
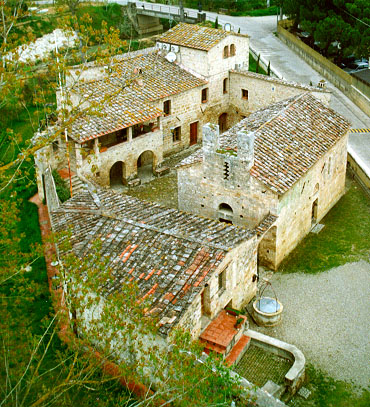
(327, 392)
(253, 66)
(271, 11)
(345, 237)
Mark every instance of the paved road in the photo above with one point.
(286, 64)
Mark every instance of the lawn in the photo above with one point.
(345, 237)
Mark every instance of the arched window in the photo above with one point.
(226, 51)
(232, 50)
(225, 213)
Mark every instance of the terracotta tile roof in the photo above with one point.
(125, 98)
(194, 36)
(290, 136)
(170, 254)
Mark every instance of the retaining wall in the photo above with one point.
(354, 89)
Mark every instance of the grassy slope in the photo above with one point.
(345, 237)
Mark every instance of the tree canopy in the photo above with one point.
(344, 24)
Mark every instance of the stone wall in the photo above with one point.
(203, 188)
(264, 90)
(325, 181)
(212, 62)
(99, 164)
(239, 267)
(186, 108)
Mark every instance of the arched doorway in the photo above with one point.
(145, 165)
(117, 174)
(222, 122)
(225, 213)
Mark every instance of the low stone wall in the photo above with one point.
(296, 374)
(52, 199)
(353, 88)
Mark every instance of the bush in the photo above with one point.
(61, 187)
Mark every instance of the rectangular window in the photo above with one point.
(222, 281)
(245, 94)
(205, 95)
(176, 134)
(225, 86)
(167, 107)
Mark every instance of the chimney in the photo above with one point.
(246, 147)
(210, 137)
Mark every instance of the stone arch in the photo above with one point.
(226, 51)
(146, 163)
(232, 50)
(117, 174)
(225, 213)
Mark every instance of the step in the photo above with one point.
(238, 350)
(214, 347)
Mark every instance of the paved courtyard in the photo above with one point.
(327, 316)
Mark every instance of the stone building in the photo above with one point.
(189, 268)
(154, 102)
(287, 160)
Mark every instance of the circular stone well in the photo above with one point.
(267, 311)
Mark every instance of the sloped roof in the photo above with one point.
(170, 254)
(125, 97)
(290, 136)
(195, 36)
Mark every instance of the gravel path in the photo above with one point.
(327, 316)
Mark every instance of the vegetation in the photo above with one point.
(325, 392)
(345, 237)
(233, 7)
(336, 21)
(253, 67)
(63, 191)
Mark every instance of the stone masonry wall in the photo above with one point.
(202, 193)
(325, 181)
(263, 91)
(186, 108)
(223, 178)
(240, 265)
(127, 152)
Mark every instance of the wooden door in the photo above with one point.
(193, 133)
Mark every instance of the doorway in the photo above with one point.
(222, 122)
(145, 166)
(117, 174)
(193, 133)
(314, 212)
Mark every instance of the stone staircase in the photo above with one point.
(77, 184)
(223, 336)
